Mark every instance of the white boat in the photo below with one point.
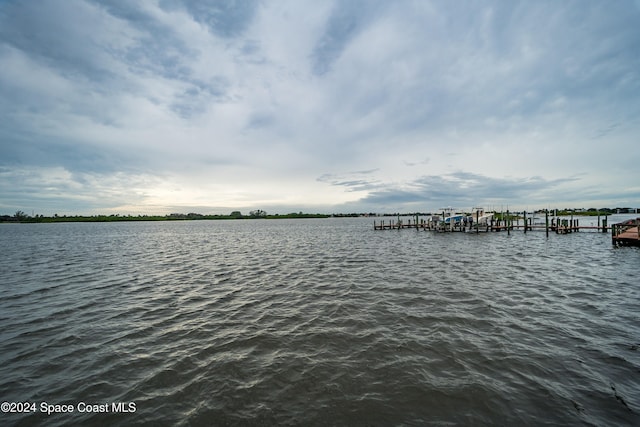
(480, 217)
(454, 219)
(451, 217)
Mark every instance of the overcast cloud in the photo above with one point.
(321, 106)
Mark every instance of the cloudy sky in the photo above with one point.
(167, 106)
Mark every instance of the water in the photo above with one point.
(316, 322)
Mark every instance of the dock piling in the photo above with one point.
(546, 221)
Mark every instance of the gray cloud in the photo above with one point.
(352, 181)
(346, 20)
(224, 18)
(461, 189)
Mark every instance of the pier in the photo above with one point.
(626, 233)
(559, 226)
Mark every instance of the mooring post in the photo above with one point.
(546, 221)
(613, 233)
(571, 226)
(507, 223)
(525, 222)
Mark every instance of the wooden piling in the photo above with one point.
(546, 221)
(571, 225)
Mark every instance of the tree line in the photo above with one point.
(20, 216)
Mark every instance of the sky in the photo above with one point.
(154, 107)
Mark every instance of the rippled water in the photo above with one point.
(317, 322)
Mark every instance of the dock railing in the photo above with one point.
(621, 227)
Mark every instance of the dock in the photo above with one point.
(626, 233)
(558, 226)
(623, 234)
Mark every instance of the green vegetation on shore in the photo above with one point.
(564, 212)
(590, 212)
(22, 217)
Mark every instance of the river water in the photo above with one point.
(315, 322)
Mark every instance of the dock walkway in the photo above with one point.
(626, 233)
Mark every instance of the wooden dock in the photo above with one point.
(558, 228)
(623, 233)
(626, 233)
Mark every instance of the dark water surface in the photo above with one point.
(316, 322)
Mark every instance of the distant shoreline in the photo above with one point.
(130, 218)
(20, 217)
